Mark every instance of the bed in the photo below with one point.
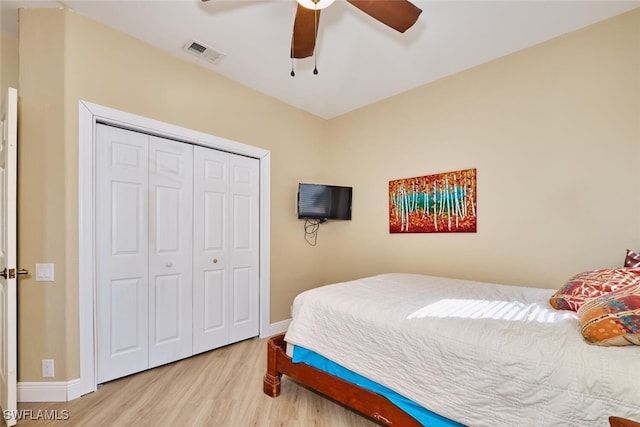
(454, 351)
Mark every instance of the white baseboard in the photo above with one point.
(74, 390)
(48, 391)
(279, 327)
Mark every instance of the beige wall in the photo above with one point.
(554, 133)
(8, 62)
(66, 58)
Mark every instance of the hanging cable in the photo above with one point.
(311, 227)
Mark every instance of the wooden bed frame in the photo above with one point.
(622, 422)
(366, 402)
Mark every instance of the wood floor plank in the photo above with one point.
(220, 388)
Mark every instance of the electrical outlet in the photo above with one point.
(47, 368)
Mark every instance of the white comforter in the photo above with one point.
(478, 353)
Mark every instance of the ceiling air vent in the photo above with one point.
(203, 51)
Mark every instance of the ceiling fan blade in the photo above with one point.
(397, 14)
(305, 30)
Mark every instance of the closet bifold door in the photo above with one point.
(226, 252)
(177, 250)
(170, 246)
(121, 252)
(244, 189)
(210, 243)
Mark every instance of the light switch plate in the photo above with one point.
(44, 272)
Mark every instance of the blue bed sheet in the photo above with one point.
(424, 416)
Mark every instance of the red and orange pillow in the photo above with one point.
(613, 318)
(607, 302)
(591, 284)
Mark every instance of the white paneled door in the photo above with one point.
(225, 255)
(210, 249)
(176, 250)
(122, 252)
(244, 185)
(170, 245)
(8, 259)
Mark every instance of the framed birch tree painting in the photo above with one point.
(440, 203)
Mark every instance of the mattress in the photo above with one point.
(478, 353)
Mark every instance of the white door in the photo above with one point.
(144, 231)
(210, 263)
(8, 328)
(243, 247)
(177, 250)
(170, 245)
(122, 254)
(225, 254)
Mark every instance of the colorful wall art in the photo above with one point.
(440, 203)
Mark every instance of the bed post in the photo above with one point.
(271, 381)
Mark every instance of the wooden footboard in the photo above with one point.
(364, 401)
(622, 422)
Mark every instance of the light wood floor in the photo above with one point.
(220, 388)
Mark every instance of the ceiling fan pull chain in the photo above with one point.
(315, 63)
(315, 53)
(293, 73)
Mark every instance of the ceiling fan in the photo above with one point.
(397, 14)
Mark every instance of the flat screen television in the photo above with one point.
(324, 202)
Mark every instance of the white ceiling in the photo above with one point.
(360, 61)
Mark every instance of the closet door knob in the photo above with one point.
(169, 264)
(215, 260)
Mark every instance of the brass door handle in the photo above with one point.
(11, 273)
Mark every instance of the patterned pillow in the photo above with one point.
(632, 259)
(591, 284)
(612, 319)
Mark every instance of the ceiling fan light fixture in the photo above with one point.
(315, 4)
